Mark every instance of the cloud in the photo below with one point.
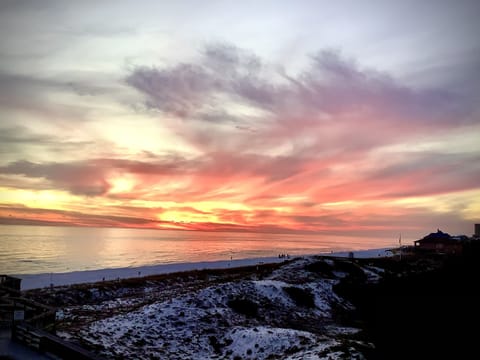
(78, 178)
(179, 90)
(302, 129)
(190, 88)
(428, 174)
(16, 5)
(95, 177)
(336, 85)
(332, 110)
(21, 135)
(404, 176)
(255, 178)
(39, 96)
(24, 215)
(332, 85)
(19, 141)
(274, 146)
(21, 91)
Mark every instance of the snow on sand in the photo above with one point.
(288, 314)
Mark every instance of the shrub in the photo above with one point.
(320, 267)
(301, 297)
(244, 306)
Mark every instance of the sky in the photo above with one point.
(329, 117)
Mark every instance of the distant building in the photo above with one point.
(440, 242)
(10, 282)
(477, 230)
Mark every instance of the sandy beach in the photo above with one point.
(34, 281)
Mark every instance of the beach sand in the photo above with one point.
(34, 281)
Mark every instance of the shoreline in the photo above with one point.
(42, 280)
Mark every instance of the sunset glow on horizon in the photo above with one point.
(356, 118)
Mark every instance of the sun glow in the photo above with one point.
(179, 216)
(46, 199)
(122, 184)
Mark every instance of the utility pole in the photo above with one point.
(400, 244)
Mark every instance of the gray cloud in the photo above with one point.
(21, 91)
(77, 178)
(21, 135)
(332, 87)
(19, 141)
(180, 90)
(34, 95)
(188, 88)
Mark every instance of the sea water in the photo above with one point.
(52, 249)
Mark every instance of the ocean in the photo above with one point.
(55, 249)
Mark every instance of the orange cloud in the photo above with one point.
(236, 144)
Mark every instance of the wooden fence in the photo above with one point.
(33, 324)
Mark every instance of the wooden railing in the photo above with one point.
(44, 342)
(36, 328)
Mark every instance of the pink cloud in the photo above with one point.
(315, 137)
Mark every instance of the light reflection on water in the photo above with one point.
(41, 249)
